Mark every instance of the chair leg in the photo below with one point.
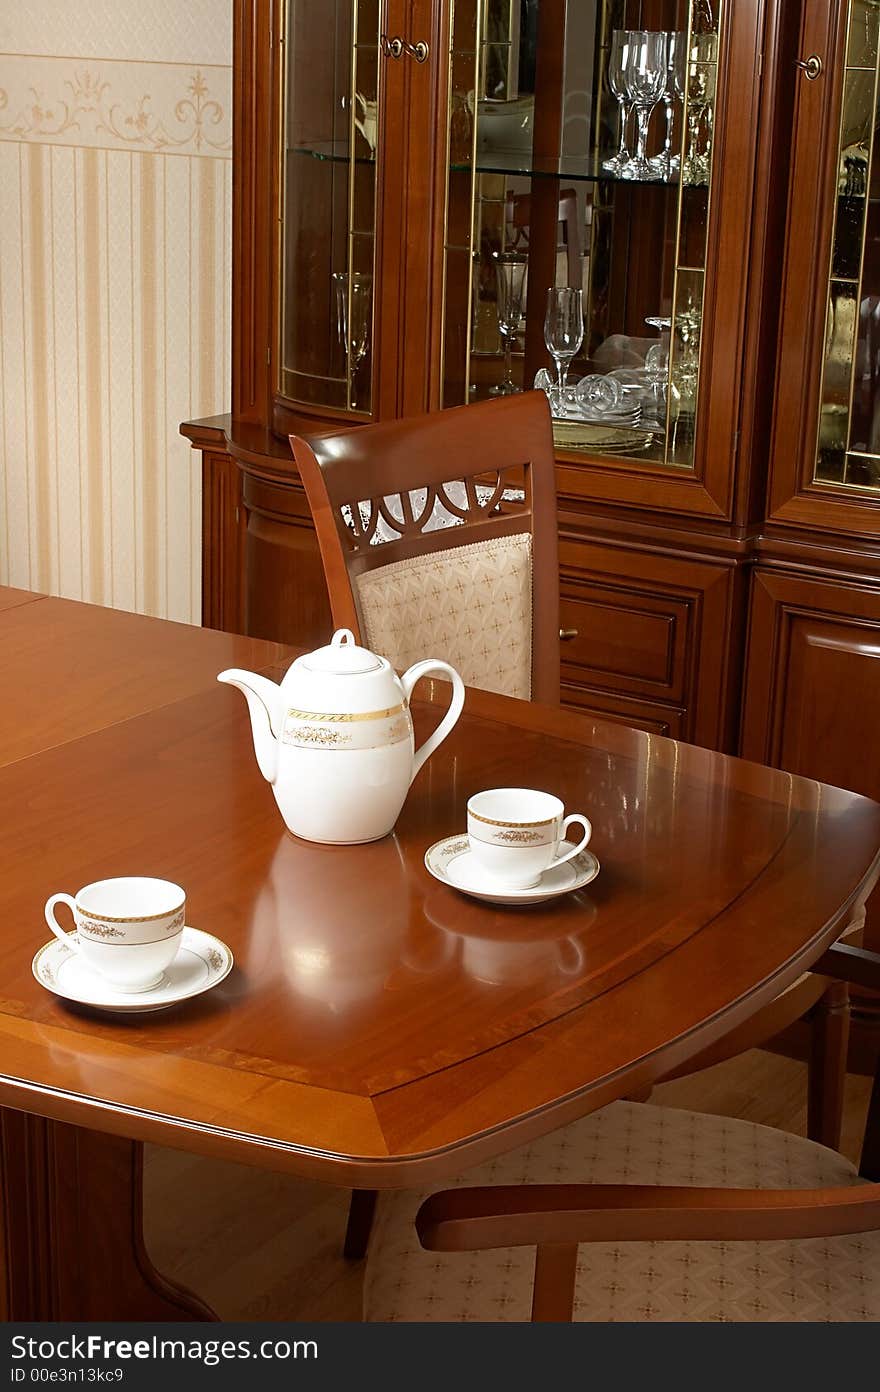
(555, 1279)
(829, 1038)
(360, 1221)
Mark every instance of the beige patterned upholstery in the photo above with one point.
(817, 1279)
(470, 605)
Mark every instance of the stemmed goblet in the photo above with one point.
(563, 332)
(646, 78)
(355, 294)
(510, 274)
(679, 82)
(618, 59)
(666, 162)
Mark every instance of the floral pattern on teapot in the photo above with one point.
(364, 730)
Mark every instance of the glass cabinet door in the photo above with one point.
(848, 443)
(825, 442)
(330, 129)
(581, 160)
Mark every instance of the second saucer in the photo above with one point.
(452, 862)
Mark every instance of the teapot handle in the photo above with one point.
(408, 681)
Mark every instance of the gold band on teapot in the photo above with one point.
(324, 717)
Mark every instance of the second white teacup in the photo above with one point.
(127, 929)
(515, 834)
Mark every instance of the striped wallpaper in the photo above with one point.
(115, 195)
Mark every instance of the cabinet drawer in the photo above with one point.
(624, 638)
(650, 632)
(655, 718)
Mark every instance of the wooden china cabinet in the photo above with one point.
(395, 160)
(385, 155)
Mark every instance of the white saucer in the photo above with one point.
(202, 962)
(452, 863)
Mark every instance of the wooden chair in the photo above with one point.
(517, 219)
(654, 1247)
(480, 590)
(438, 539)
(410, 593)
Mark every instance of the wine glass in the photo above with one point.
(510, 274)
(563, 332)
(646, 75)
(544, 382)
(679, 83)
(597, 395)
(354, 302)
(665, 163)
(617, 63)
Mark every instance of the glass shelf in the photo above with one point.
(573, 169)
(511, 163)
(330, 151)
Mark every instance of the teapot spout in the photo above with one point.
(262, 698)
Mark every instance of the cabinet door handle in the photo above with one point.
(811, 67)
(392, 48)
(566, 634)
(418, 51)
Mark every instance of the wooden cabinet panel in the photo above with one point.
(285, 594)
(813, 679)
(223, 527)
(813, 685)
(653, 632)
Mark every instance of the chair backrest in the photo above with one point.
(518, 216)
(438, 538)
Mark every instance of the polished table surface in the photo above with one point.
(378, 1028)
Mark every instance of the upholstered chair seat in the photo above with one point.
(815, 1279)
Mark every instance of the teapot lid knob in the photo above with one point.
(342, 656)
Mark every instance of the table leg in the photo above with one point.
(71, 1220)
(829, 1037)
(360, 1222)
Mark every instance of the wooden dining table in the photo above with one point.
(379, 1029)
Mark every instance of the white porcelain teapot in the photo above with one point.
(335, 739)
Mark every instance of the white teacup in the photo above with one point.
(515, 833)
(128, 929)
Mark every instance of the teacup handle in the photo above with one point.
(68, 939)
(409, 679)
(588, 831)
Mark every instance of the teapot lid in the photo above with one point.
(342, 656)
